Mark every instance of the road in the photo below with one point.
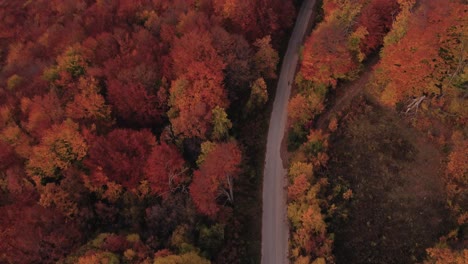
(274, 222)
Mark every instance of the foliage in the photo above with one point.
(215, 178)
(258, 95)
(165, 169)
(187, 258)
(221, 124)
(126, 153)
(266, 58)
(446, 256)
(103, 107)
(60, 147)
(425, 60)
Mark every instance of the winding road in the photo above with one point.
(274, 222)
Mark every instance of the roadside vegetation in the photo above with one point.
(377, 124)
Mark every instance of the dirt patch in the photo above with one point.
(398, 205)
(345, 93)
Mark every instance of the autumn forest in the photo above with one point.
(134, 131)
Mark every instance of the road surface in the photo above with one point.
(274, 222)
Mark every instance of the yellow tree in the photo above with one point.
(61, 146)
(187, 258)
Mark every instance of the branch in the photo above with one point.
(415, 104)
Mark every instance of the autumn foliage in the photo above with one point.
(98, 100)
(215, 177)
(125, 152)
(420, 47)
(165, 169)
(422, 54)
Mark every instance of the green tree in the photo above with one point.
(258, 95)
(221, 124)
(211, 239)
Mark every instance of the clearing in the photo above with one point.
(398, 208)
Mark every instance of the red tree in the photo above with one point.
(120, 157)
(255, 19)
(164, 169)
(326, 56)
(136, 104)
(30, 233)
(377, 17)
(215, 177)
(198, 88)
(135, 86)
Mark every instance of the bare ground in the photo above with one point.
(398, 205)
(344, 94)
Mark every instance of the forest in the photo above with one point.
(134, 131)
(125, 128)
(377, 135)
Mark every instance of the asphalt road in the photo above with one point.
(274, 222)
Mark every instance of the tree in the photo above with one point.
(265, 59)
(89, 105)
(99, 257)
(258, 95)
(216, 178)
(377, 18)
(211, 239)
(457, 174)
(165, 169)
(7, 155)
(241, 13)
(118, 159)
(195, 58)
(298, 168)
(439, 255)
(221, 124)
(421, 54)
(298, 188)
(303, 108)
(326, 56)
(136, 87)
(134, 103)
(315, 148)
(61, 146)
(187, 258)
(198, 87)
(33, 234)
(206, 147)
(54, 196)
(42, 112)
(255, 18)
(192, 104)
(237, 55)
